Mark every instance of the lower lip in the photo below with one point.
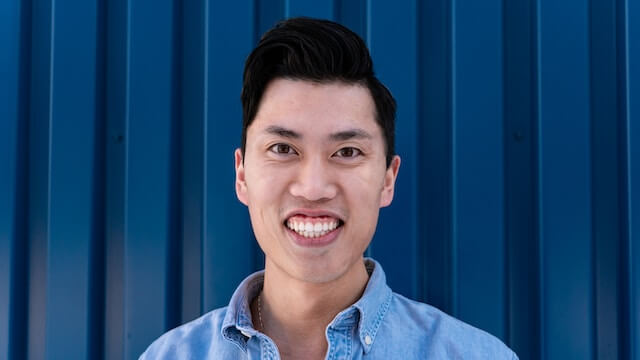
(315, 242)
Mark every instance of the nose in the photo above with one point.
(314, 181)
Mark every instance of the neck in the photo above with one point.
(295, 313)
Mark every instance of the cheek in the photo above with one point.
(263, 182)
(366, 187)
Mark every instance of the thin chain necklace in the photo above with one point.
(260, 312)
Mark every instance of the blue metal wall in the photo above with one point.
(517, 206)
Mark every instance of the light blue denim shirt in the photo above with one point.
(381, 325)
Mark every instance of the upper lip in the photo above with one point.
(313, 213)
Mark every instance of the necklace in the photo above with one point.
(260, 312)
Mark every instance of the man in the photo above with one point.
(316, 165)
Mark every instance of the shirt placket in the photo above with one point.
(340, 343)
(261, 348)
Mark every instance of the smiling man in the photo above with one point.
(315, 167)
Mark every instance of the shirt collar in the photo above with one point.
(368, 311)
(371, 308)
(237, 325)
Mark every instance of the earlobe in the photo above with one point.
(241, 185)
(389, 182)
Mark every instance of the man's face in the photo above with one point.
(314, 177)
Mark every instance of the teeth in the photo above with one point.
(311, 230)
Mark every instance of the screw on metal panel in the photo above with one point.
(518, 136)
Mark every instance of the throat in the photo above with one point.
(301, 339)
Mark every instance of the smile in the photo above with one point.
(312, 227)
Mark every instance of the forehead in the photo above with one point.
(316, 108)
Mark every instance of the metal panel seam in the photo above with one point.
(205, 147)
(454, 153)
(539, 184)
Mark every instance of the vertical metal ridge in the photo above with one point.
(368, 21)
(205, 149)
(269, 12)
(39, 177)
(631, 294)
(519, 154)
(353, 14)
(506, 253)
(534, 88)
(449, 247)
(335, 11)
(434, 115)
(18, 296)
(257, 253)
(125, 186)
(565, 167)
(116, 139)
(47, 322)
(173, 287)
(421, 253)
(192, 168)
(454, 164)
(625, 316)
(538, 171)
(605, 193)
(416, 263)
(97, 253)
(255, 17)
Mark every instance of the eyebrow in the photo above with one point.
(338, 136)
(350, 134)
(284, 132)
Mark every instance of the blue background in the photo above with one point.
(517, 206)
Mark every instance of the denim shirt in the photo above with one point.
(380, 325)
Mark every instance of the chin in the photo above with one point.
(322, 269)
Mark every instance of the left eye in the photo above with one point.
(282, 149)
(348, 152)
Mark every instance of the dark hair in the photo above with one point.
(319, 51)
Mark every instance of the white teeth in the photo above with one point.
(311, 230)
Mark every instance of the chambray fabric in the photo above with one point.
(381, 325)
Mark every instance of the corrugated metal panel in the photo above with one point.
(629, 82)
(517, 207)
(564, 196)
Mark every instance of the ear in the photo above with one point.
(390, 182)
(241, 184)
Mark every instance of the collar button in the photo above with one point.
(367, 340)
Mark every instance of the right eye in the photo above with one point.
(282, 149)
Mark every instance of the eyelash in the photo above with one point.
(274, 148)
(356, 152)
(290, 151)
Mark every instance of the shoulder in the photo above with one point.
(427, 330)
(193, 340)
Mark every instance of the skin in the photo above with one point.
(312, 147)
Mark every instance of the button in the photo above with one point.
(245, 333)
(367, 340)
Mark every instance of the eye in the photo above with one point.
(282, 149)
(348, 152)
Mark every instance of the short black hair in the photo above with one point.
(314, 50)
